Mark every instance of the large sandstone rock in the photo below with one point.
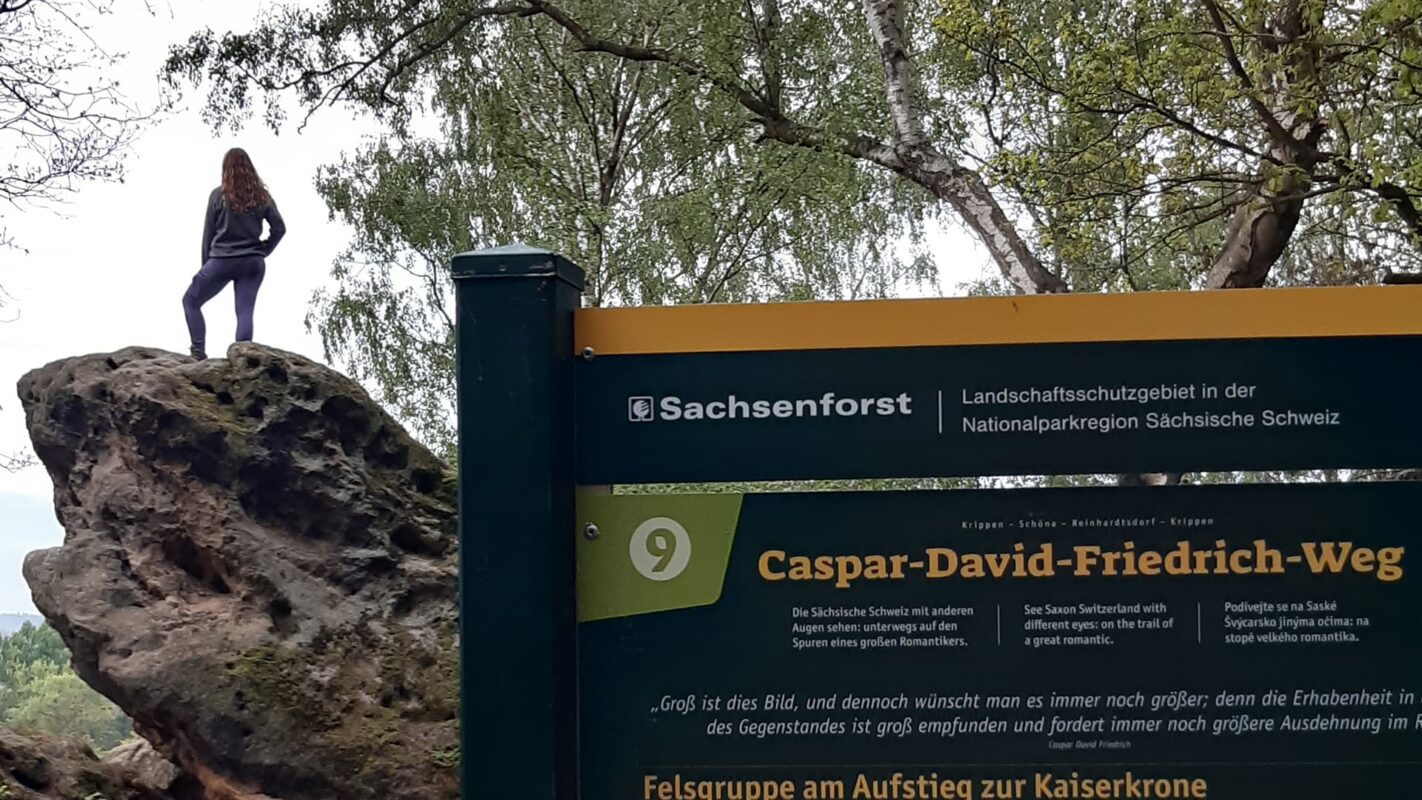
(258, 567)
(34, 767)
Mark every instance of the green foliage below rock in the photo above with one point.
(39, 692)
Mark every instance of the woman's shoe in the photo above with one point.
(197, 353)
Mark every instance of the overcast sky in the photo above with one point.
(108, 269)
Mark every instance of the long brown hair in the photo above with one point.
(242, 188)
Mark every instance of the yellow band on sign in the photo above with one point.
(1139, 316)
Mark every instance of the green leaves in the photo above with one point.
(38, 692)
(61, 705)
(1128, 137)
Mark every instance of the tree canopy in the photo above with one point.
(1178, 144)
(764, 149)
(1272, 102)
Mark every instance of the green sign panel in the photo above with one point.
(1235, 642)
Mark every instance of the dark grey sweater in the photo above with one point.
(228, 233)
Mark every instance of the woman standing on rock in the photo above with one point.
(233, 250)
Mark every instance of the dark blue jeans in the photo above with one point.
(245, 273)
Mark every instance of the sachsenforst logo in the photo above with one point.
(639, 409)
(645, 408)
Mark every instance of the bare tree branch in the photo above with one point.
(61, 120)
(14, 462)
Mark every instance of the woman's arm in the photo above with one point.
(209, 226)
(277, 225)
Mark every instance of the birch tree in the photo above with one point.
(1200, 143)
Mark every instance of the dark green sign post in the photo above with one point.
(1234, 642)
(518, 629)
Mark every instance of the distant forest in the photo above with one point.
(39, 692)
